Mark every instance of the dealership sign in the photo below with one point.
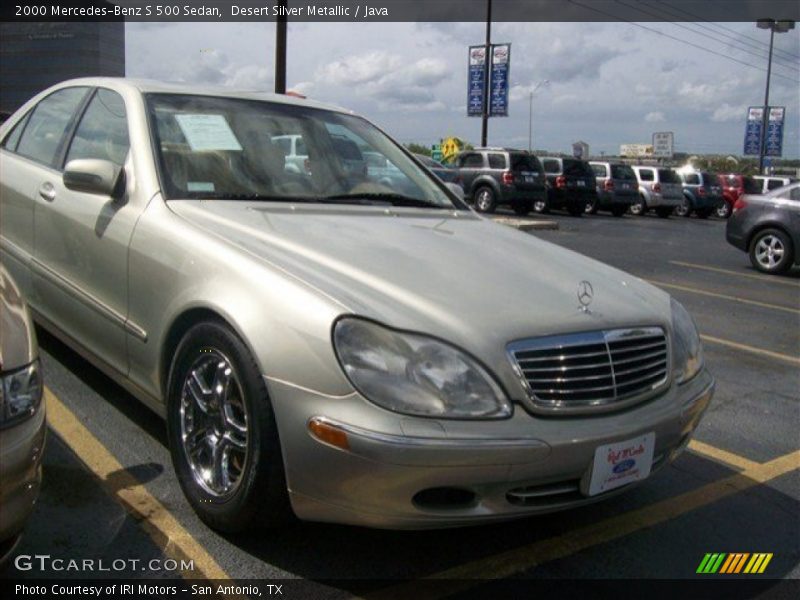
(752, 131)
(496, 78)
(774, 143)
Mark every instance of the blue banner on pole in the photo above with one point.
(476, 84)
(774, 143)
(752, 132)
(501, 63)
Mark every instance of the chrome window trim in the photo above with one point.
(586, 338)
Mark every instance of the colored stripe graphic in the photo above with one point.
(734, 563)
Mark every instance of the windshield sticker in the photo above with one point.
(207, 132)
(199, 186)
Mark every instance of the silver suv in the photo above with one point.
(660, 188)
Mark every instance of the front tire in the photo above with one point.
(485, 201)
(222, 432)
(771, 251)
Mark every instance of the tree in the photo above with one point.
(419, 149)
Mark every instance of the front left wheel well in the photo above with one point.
(177, 330)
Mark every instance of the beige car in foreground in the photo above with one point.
(22, 415)
(325, 343)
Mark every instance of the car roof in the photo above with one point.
(151, 86)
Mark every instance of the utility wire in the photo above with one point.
(763, 54)
(761, 45)
(688, 43)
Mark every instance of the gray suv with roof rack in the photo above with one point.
(496, 176)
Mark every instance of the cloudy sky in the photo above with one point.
(609, 83)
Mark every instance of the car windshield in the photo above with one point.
(237, 149)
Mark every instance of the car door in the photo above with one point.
(470, 165)
(27, 156)
(81, 248)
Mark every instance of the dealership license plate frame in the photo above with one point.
(606, 474)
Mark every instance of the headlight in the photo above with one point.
(21, 393)
(414, 374)
(687, 350)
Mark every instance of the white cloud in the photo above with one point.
(655, 117)
(726, 112)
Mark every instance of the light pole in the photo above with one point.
(774, 27)
(543, 82)
(488, 71)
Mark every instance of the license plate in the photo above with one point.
(581, 184)
(528, 179)
(622, 463)
(626, 186)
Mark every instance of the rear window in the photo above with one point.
(668, 176)
(551, 165)
(773, 184)
(599, 170)
(577, 168)
(646, 174)
(524, 162)
(691, 178)
(751, 186)
(623, 172)
(710, 178)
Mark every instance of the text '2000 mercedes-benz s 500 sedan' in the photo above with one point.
(322, 342)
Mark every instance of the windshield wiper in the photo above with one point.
(387, 197)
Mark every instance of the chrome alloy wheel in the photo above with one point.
(213, 422)
(484, 200)
(769, 251)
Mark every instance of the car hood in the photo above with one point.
(17, 338)
(451, 274)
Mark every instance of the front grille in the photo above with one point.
(593, 369)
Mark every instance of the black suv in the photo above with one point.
(495, 176)
(570, 185)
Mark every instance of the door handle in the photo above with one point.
(47, 191)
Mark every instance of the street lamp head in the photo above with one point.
(765, 23)
(784, 26)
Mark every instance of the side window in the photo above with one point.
(12, 139)
(48, 124)
(497, 161)
(103, 130)
(472, 161)
(774, 184)
(646, 174)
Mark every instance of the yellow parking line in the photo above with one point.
(764, 278)
(154, 518)
(724, 296)
(722, 456)
(519, 560)
(793, 360)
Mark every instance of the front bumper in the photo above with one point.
(21, 450)
(392, 458)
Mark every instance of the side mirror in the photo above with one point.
(93, 176)
(456, 189)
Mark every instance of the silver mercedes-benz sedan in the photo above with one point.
(322, 343)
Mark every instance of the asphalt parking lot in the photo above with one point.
(110, 492)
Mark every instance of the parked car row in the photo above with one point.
(493, 177)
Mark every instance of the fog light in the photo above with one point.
(330, 434)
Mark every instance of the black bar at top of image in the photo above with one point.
(400, 10)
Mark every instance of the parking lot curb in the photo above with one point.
(526, 224)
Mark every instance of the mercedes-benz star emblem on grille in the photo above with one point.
(585, 295)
